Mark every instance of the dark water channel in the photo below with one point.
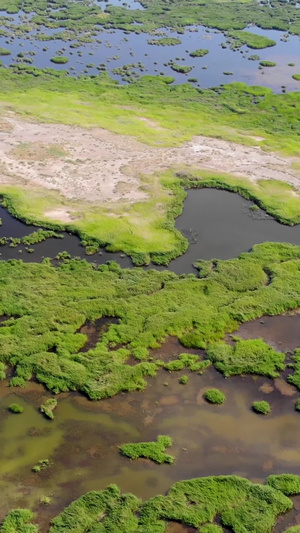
(218, 224)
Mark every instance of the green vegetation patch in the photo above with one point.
(16, 408)
(211, 528)
(41, 465)
(149, 450)
(188, 360)
(251, 39)
(46, 307)
(59, 60)
(262, 408)
(240, 504)
(251, 356)
(267, 64)
(19, 521)
(296, 77)
(215, 396)
(48, 407)
(4, 52)
(182, 69)
(39, 236)
(200, 52)
(289, 484)
(297, 405)
(294, 378)
(165, 41)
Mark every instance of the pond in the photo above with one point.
(218, 224)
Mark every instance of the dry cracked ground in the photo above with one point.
(99, 166)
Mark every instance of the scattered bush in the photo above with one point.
(215, 396)
(48, 407)
(16, 408)
(262, 407)
(183, 380)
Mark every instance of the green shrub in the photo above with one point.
(215, 396)
(251, 356)
(183, 380)
(150, 450)
(16, 408)
(288, 484)
(296, 77)
(262, 407)
(17, 521)
(297, 405)
(48, 407)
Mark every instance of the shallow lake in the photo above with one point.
(115, 49)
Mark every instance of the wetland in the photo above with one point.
(149, 266)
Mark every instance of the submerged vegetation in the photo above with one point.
(149, 450)
(46, 306)
(239, 504)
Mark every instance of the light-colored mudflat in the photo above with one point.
(99, 166)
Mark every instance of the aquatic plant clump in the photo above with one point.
(16, 408)
(267, 64)
(262, 407)
(214, 396)
(149, 450)
(59, 60)
(200, 52)
(48, 407)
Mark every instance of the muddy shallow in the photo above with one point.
(82, 442)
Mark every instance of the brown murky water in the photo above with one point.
(82, 442)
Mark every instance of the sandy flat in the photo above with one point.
(99, 166)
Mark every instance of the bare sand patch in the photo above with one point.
(101, 167)
(62, 214)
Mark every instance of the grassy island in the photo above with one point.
(149, 450)
(239, 504)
